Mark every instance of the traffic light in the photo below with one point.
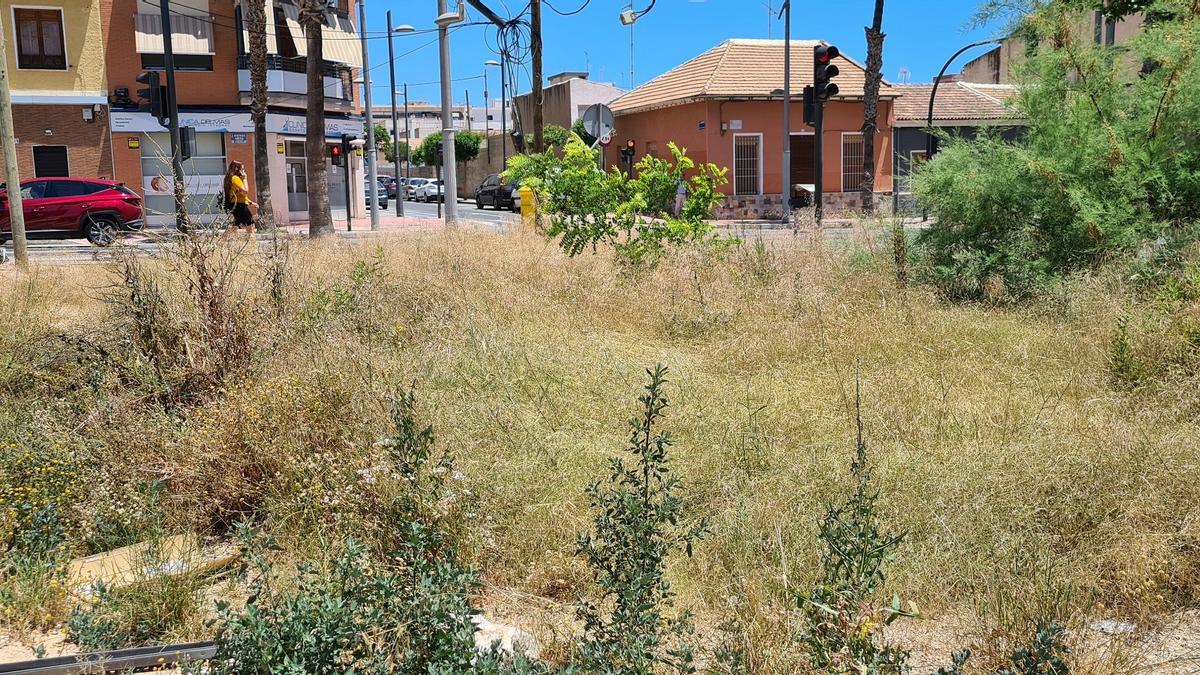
(336, 157)
(187, 142)
(153, 95)
(824, 71)
(629, 150)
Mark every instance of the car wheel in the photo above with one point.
(100, 230)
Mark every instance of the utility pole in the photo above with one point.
(469, 126)
(487, 122)
(787, 111)
(12, 175)
(503, 111)
(181, 220)
(535, 40)
(372, 169)
(450, 181)
(395, 122)
(407, 147)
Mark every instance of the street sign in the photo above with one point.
(606, 139)
(598, 120)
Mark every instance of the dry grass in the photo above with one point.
(1029, 484)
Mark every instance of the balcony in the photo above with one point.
(287, 83)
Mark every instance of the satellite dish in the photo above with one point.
(598, 120)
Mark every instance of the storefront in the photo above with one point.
(142, 158)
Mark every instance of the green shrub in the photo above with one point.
(842, 620)
(1109, 162)
(637, 527)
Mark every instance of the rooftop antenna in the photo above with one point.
(905, 75)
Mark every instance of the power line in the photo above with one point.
(571, 13)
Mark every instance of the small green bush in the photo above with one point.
(638, 525)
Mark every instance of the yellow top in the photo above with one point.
(240, 195)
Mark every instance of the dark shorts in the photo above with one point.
(242, 216)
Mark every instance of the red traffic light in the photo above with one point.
(825, 54)
(335, 150)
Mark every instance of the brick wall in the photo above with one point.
(88, 152)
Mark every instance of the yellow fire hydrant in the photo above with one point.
(528, 208)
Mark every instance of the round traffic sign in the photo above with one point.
(606, 139)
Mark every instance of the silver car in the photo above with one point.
(380, 193)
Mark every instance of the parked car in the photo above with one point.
(492, 192)
(390, 184)
(430, 191)
(412, 185)
(380, 193)
(65, 208)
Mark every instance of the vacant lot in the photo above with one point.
(1029, 484)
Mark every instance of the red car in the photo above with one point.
(69, 207)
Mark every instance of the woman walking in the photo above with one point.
(237, 197)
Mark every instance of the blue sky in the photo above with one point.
(921, 35)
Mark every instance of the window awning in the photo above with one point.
(189, 34)
(272, 45)
(339, 43)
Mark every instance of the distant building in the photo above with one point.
(961, 109)
(726, 107)
(565, 99)
(996, 66)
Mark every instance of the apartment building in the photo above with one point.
(56, 73)
(996, 66)
(210, 47)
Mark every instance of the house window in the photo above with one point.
(206, 168)
(39, 36)
(747, 164)
(852, 162)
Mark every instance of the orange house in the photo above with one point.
(726, 107)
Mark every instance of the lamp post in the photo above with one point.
(395, 123)
(407, 147)
(787, 111)
(444, 20)
(930, 141)
(372, 168)
(503, 122)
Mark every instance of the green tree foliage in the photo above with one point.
(383, 142)
(466, 147)
(555, 136)
(578, 129)
(1110, 161)
(639, 513)
(588, 207)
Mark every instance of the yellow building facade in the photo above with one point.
(54, 51)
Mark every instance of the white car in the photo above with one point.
(411, 185)
(430, 191)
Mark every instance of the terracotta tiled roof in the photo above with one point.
(956, 101)
(741, 69)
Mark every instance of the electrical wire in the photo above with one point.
(571, 13)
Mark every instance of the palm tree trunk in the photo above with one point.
(320, 221)
(256, 26)
(870, 128)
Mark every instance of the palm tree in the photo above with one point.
(256, 26)
(320, 221)
(875, 38)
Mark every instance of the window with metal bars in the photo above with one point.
(852, 162)
(747, 164)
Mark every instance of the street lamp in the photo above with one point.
(444, 20)
(503, 112)
(407, 147)
(628, 18)
(405, 28)
(930, 144)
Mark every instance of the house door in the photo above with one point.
(50, 161)
(297, 185)
(804, 157)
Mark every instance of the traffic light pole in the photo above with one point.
(818, 181)
(181, 220)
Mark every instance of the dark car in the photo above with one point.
(390, 184)
(492, 192)
(69, 207)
